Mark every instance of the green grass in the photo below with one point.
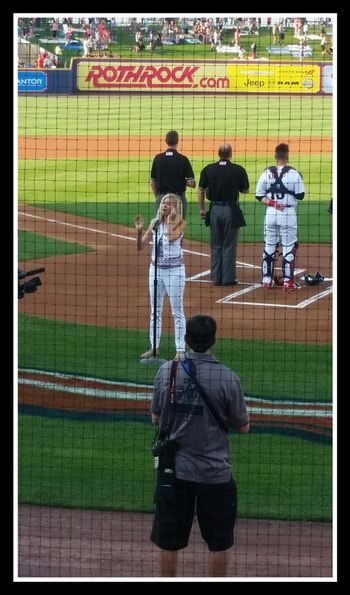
(33, 245)
(127, 180)
(251, 116)
(279, 370)
(109, 465)
(125, 41)
(314, 222)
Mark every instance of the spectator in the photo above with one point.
(323, 44)
(139, 45)
(237, 35)
(203, 476)
(54, 29)
(241, 53)
(221, 183)
(305, 30)
(58, 54)
(69, 34)
(152, 42)
(274, 33)
(281, 34)
(159, 42)
(40, 60)
(87, 47)
(171, 172)
(254, 48)
(65, 28)
(48, 63)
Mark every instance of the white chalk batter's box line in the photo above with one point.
(231, 299)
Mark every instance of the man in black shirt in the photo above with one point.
(221, 183)
(171, 172)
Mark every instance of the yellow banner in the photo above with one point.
(274, 78)
(190, 77)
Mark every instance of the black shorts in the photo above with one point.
(216, 508)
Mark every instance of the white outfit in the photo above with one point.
(280, 226)
(171, 280)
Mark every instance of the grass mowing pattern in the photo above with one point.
(124, 213)
(226, 117)
(108, 465)
(115, 354)
(33, 245)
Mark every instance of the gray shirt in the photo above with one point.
(203, 454)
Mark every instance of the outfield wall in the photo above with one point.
(179, 76)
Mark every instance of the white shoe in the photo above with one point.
(151, 353)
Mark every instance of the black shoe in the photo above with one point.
(232, 283)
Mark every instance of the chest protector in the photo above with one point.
(278, 189)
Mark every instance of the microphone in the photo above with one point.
(156, 224)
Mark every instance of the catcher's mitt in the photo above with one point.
(278, 279)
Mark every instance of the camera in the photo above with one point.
(165, 450)
(28, 286)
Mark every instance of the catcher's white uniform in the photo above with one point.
(284, 184)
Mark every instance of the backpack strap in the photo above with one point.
(190, 369)
(171, 397)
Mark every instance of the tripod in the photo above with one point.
(154, 359)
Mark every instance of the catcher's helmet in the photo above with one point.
(313, 279)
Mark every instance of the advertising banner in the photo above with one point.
(274, 78)
(31, 81)
(182, 76)
(191, 77)
(327, 78)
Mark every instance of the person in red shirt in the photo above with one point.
(40, 61)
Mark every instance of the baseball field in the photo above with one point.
(84, 431)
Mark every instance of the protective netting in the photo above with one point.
(101, 309)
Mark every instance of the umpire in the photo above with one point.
(171, 172)
(221, 183)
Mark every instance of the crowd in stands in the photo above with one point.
(96, 34)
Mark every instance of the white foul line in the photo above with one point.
(116, 235)
(92, 229)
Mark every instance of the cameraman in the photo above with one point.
(28, 286)
(204, 479)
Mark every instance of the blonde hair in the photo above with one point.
(178, 208)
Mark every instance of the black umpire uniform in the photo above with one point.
(221, 183)
(170, 172)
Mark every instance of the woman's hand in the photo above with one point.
(172, 215)
(138, 221)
